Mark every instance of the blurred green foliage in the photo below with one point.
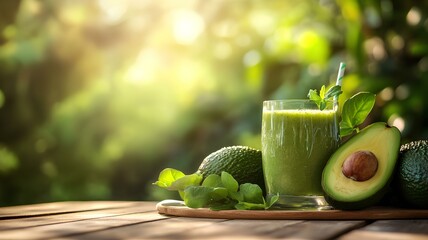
(96, 97)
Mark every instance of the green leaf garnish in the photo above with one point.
(323, 97)
(214, 192)
(185, 181)
(322, 92)
(251, 193)
(167, 177)
(334, 91)
(212, 180)
(354, 112)
(198, 196)
(313, 96)
(249, 206)
(272, 200)
(229, 182)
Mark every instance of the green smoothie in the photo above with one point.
(296, 145)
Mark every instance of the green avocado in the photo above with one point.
(242, 162)
(411, 180)
(358, 173)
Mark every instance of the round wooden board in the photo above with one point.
(177, 208)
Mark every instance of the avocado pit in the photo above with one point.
(360, 166)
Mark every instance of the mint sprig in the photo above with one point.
(217, 192)
(323, 96)
(355, 109)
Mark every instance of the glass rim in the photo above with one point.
(293, 100)
(300, 104)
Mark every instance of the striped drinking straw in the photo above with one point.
(339, 79)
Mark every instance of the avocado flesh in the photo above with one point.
(344, 193)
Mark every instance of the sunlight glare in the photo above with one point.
(252, 58)
(414, 16)
(423, 64)
(114, 10)
(397, 42)
(397, 121)
(375, 47)
(386, 94)
(263, 22)
(402, 92)
(187, 26)
(144, 70)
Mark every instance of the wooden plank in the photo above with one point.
(361, 235)
(318, 229)
(234, 229)
(63, 230)
(391, 229)
(273, 229)
(170, 228)
(140, 220)
(60, 207)
(204, 228)
(20, 223)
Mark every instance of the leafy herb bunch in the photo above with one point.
(355, 109)
(217, 192)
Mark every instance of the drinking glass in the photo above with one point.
(297, 141)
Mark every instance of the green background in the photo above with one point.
(97, 97)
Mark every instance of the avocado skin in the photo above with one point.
(242, 162)
(376, 197)
(411, 177)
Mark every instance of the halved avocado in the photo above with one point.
(358, 173)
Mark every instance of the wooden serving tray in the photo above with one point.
(177, 208)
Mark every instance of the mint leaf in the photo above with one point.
(257, 206)
(200, 196)
(346, 130)
(355, 110)
(251, 193)
(167, 177)
(185, 181)
(229, 182)
(231, 185)
(322, 92)
(313, 96)
(334, 91)
(253, 198)
(219, 193)
(213, 180)
(224, 205)
(322, 105)
(322, 99)
(197, 196)
(272, 200)
(249, 206)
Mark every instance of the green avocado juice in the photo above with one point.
(297, 141)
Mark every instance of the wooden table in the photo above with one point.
(141, 220)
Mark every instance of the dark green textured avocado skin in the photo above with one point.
(411, 179)
(242, 162)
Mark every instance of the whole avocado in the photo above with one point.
(411, 179)
(242, 162)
